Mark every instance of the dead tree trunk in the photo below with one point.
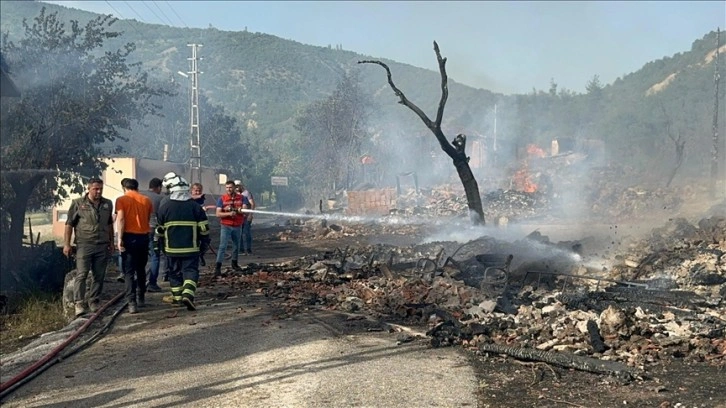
(678, 143)
(454, 149)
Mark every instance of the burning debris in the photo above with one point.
(530, 299)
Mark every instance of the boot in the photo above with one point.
(141, 302)
(80, 309)
(189, 303)
(132, 308)
(235, 266)
(217, 269)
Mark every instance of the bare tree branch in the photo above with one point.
(403, 100)
(434, 126)
(444, 85)
(456, 149)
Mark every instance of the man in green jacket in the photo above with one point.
(90, 219)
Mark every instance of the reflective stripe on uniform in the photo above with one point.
(198, 229)
(176, 293)
(189, 287)
(204, 228)
(191, 224)
(181, 251)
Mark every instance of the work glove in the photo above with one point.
(204, 246)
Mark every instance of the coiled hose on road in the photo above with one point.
(52, 357)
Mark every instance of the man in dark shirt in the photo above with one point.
(90, 219)
(185, 228)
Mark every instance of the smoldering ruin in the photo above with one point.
(616, 303)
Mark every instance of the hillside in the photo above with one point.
(272, 79)
(277, 76)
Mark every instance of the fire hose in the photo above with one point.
(52, 357)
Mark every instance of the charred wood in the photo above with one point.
(596, 340)
(565, 360)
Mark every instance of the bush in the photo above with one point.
(27, 316)
(36, 269)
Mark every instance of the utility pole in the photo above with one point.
(714, 151)
(195, 159)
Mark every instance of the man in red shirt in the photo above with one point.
(231, 218)
(133, 214)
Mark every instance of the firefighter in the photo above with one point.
(183, 229)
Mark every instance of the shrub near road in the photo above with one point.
(24, 319)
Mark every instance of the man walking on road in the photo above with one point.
(153, 194)
(91, 218)
(133, 216)
(185, 228)
(231, 217)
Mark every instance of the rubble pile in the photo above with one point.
(541, 302)
(681, 255)
(617, 193)
(447, 202)
(608, 200)
(314, 229)
(441, 201)
(515, 204)
(602, 198)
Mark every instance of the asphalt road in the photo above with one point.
(236, 353)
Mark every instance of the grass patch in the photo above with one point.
(34, 315)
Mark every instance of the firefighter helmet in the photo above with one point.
(174, 182)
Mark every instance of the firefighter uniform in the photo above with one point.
(183, 230)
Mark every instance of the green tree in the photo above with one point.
(332, 131)
(594, 86)
(76, 96)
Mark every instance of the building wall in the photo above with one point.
(364, 202)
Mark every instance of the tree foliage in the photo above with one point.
(278, 77)
(228, 142)
(331, 133)
(76, 96)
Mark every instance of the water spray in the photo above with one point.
(355, 219)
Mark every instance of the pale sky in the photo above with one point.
(509, 47)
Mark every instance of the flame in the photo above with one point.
(523, 181)
(535, 151)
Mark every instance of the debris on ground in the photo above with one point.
(532, 299)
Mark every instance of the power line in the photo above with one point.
(154, 13)
(135, 12)
(162, 13)
(123, 18)
(175, 13)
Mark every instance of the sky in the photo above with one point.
(508, 47)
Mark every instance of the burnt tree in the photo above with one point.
(678, 143)
(456, 149)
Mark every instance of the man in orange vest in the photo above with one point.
(133, 215)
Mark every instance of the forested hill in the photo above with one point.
(246, 69)
(255, 75)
